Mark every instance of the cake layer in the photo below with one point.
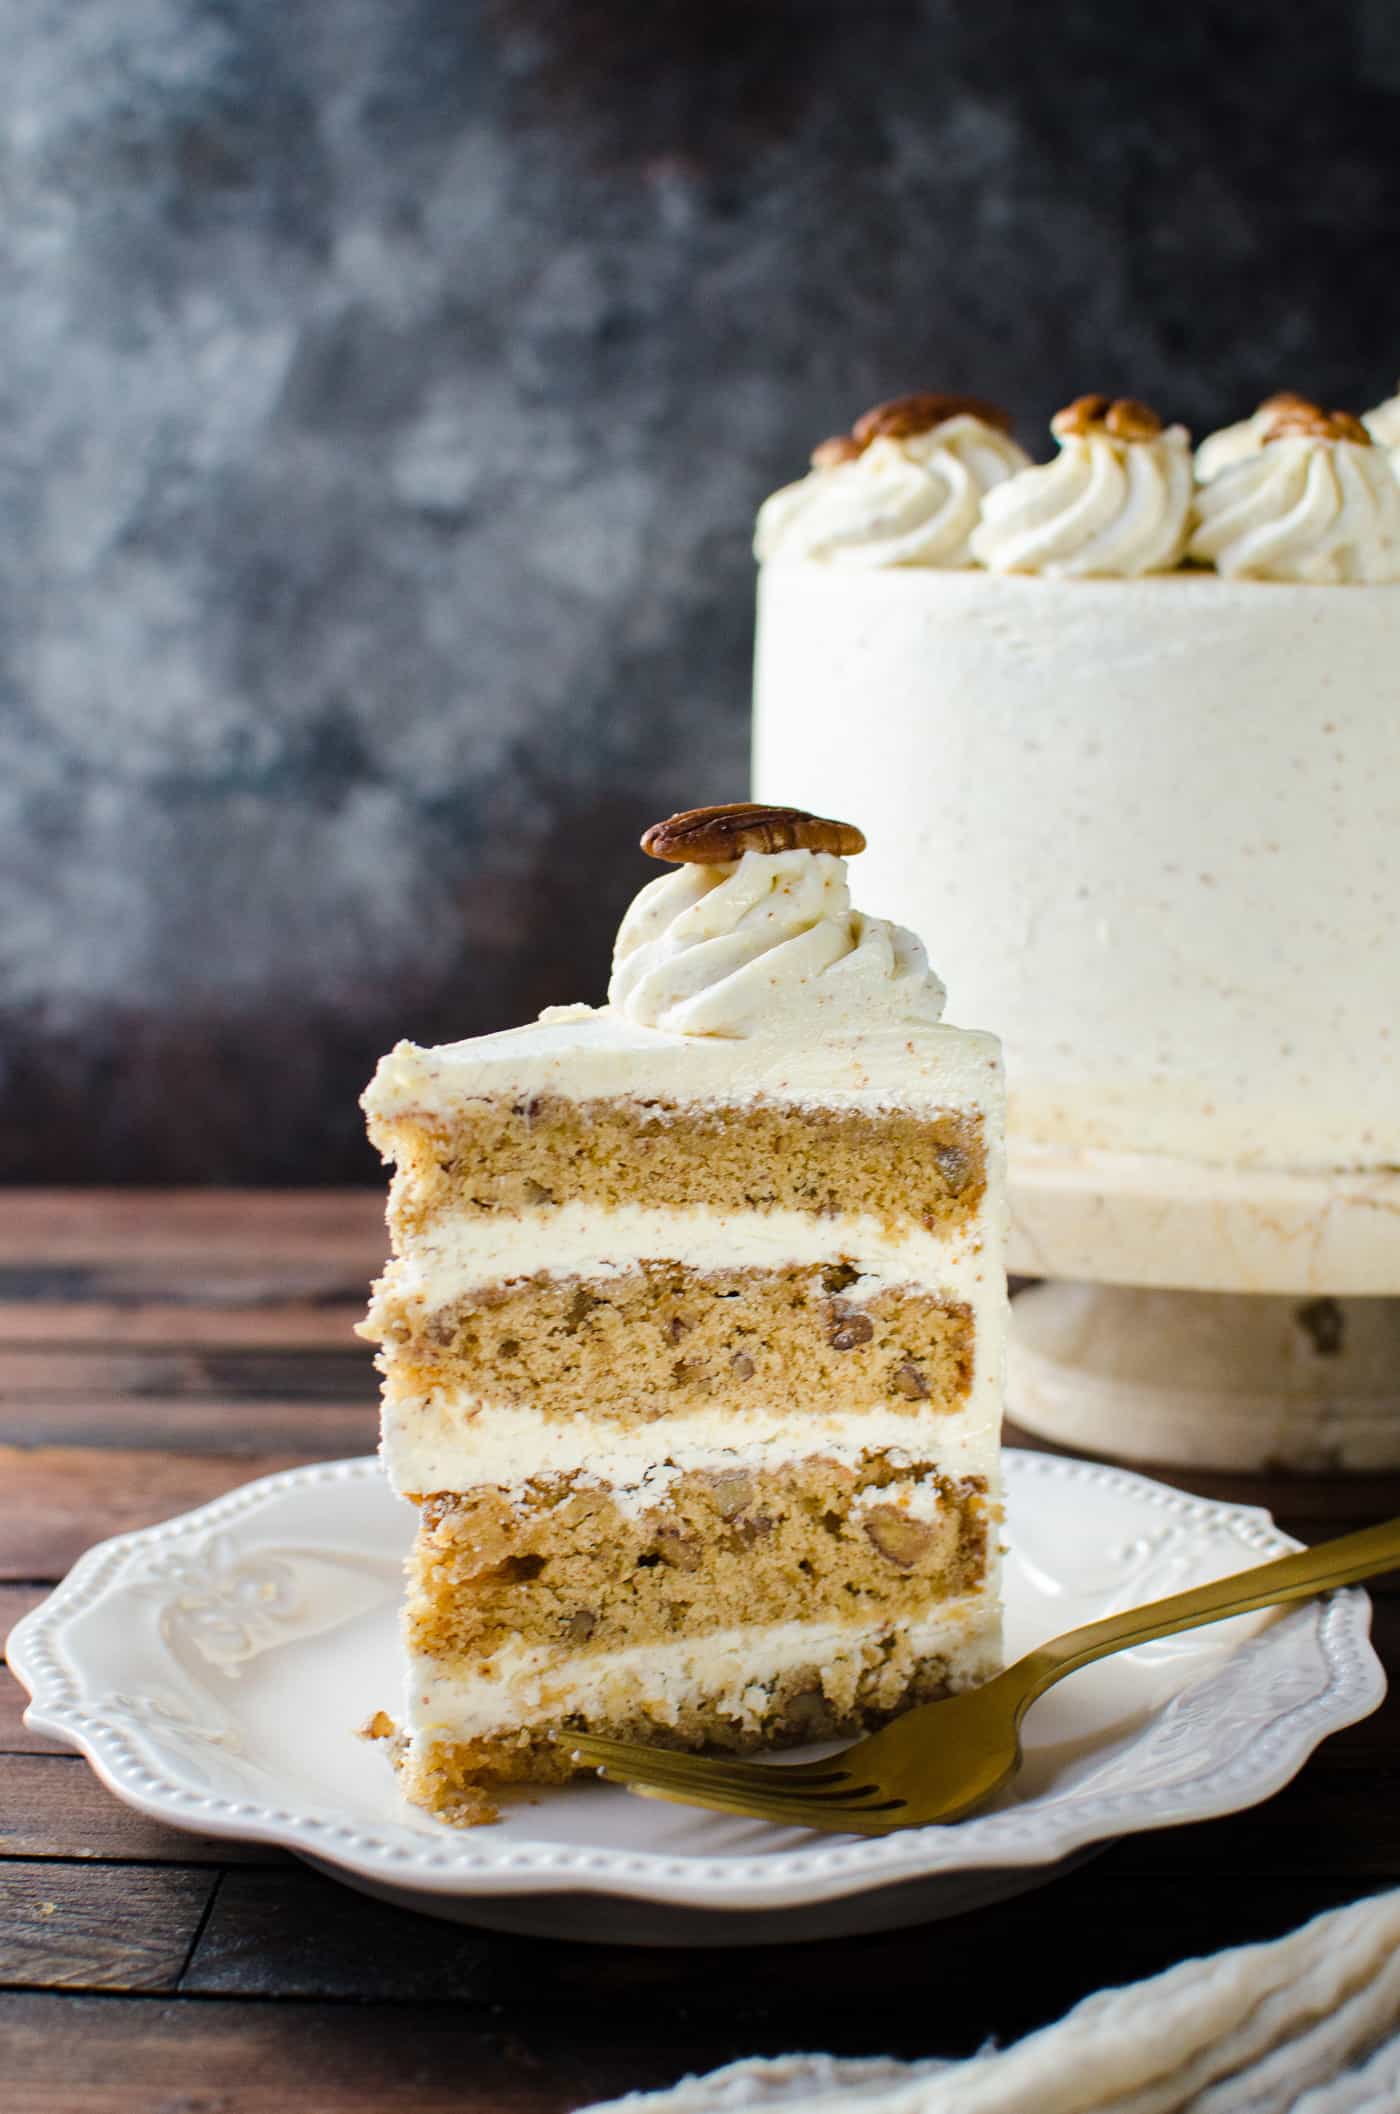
(661, 1338)
(514, 1153)
(782, 1684)
(568, 1565)
(1150, 829)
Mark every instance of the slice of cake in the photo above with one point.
(692, 1340)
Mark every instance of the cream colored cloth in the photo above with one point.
(1307, 2025)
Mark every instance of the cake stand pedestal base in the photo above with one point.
(1240, 1380)
(1206, 1317)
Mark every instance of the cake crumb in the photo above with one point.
(380, 1727)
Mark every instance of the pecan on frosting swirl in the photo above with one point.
(1317, 502)
(904, 487)
(1231, 444)
(764, 945)
(1117, 501)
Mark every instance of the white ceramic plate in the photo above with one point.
(214, 1671)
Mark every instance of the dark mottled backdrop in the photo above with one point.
(385, 390)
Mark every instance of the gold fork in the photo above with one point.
(938, 1762)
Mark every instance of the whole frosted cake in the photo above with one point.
(692, 1341)
(1125, 728)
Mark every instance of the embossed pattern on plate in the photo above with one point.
(214, 1671)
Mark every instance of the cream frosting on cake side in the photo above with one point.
(1149, 829)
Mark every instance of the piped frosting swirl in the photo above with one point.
(762, 945)
(1316, 502)
(1383, 425)
(1231, 444)
(905, 487)
(1117, 500)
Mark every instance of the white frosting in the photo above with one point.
(1383, 424)
(583, 1053)
(1104, 506)
(1157, 825)
(909, 501)
(455, 1441)
(1303, 508)
(765, 945)
(730, 1670)
(454, 1255)
(449, 1438)
(1231, 444)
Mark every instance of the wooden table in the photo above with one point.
(155, 1350)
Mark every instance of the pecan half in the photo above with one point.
(920, 412)
(1300, 418)
(908, 1380)
(848, 1331)
(899, 1539)
(731, 1490)
(842, 447)
(1285, 400)
(682, 1551)
(1123, 417)
(708, 836)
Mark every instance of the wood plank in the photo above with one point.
(31, 1373)
(86, 1225)
(120, 2055)
(191, 1277)
(1338, 1820)
(53, 1806)
(15, 1737)
(56, 1501)
(17, 1600)
(293, 1325)
(205, 1424)
(294, 1933)
(71, 1926)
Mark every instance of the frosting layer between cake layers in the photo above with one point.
(1150, 830)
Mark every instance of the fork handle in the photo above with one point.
(1317, 1570)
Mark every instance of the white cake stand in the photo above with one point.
(1203, 1316)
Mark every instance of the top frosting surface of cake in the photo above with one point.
(588, 1053)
